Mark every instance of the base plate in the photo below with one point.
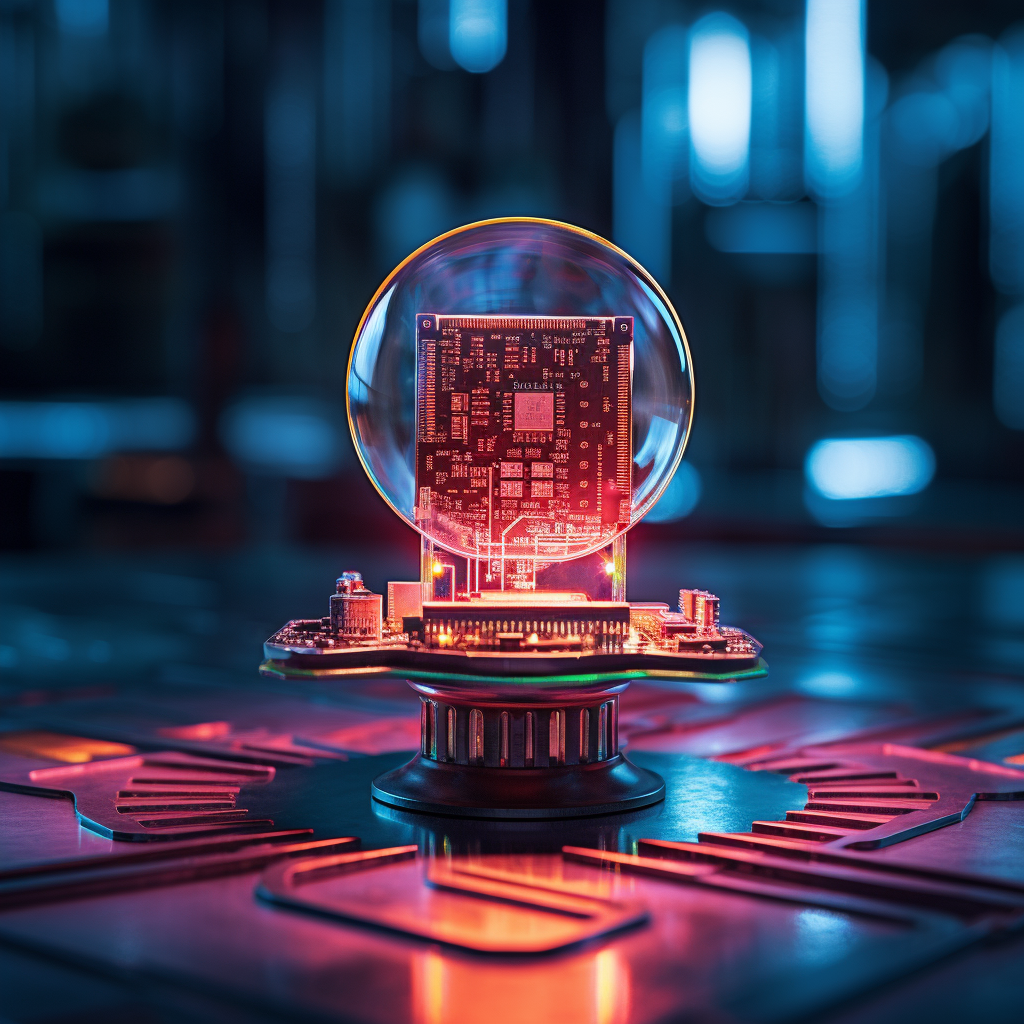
(574, 791)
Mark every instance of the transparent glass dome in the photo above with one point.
(516, 267)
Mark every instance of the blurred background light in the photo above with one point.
(432, 33)
(679, 499)
(665, 114)
(415, 207)
(651, 153)
(357, 86)
(963, 70)
(926, 126)
(777, 113)
(834, 95)
(939, 110)
(719, 108)
(196, 200)
(850, 276)
(292, 437)
(1008, 369)
(83, 17)
(1006, 165)
(21, 277)
(869, 467)
(641, 219)
(87, 430)
(124, 194)
(478, 33)
(830, 685)
(784, 228)
(291, 201)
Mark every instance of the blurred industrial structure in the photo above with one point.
(198, 198)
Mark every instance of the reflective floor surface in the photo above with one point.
(841, 841)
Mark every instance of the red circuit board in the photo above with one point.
(523, 437)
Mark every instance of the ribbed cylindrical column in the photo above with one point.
(519, 736)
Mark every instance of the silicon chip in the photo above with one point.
(523, 432)
(535, 410)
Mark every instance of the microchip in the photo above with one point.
(523, 432)
(535, 410)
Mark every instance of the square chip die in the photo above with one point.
(535, 410)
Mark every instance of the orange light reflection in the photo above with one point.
(591, 988)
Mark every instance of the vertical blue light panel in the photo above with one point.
(478, 33)
(641, 221)
(719, 109)
(1006, 163)
(1008, 371)
(850, 277)
(834, 96)
(664, 115)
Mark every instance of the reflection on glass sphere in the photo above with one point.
(516, 267)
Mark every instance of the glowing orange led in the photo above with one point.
(438, 568)
(609, 567)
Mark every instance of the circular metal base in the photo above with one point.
(572, 791)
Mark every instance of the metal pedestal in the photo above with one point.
(551, 752)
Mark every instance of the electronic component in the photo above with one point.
(701, 608)
(523, 432)
(355, 611)
(481, 635)
(510, 448)
(405, 600)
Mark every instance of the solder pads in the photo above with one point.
(523, 433)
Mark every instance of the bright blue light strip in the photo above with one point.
(1008, 372)
(88, 430)
(844, 469)
(719, 108)
(478, 33)
(1006, 165)
(834, 95)
(851, 242)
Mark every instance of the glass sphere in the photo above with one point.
(524, 267)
